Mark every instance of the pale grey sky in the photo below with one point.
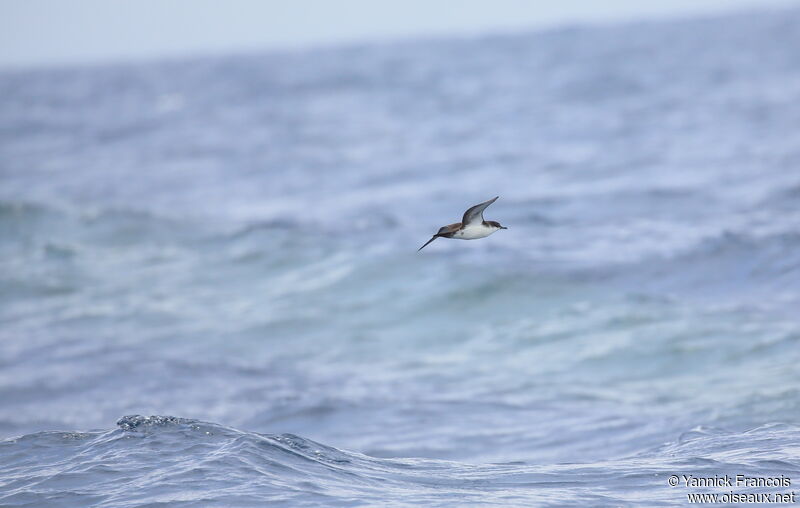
(43, 32)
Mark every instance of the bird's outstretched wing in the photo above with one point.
(434, 237)
(444, 231)
(475, 214)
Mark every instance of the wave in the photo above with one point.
(183, 462)
(728, 265)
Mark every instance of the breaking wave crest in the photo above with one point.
(184, 462)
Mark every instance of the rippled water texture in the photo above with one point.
(233, 240)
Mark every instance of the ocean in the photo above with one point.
(211, 295)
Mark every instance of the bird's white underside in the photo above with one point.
(474, 231)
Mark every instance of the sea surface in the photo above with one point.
(211, 295)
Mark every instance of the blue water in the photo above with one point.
(230, 243)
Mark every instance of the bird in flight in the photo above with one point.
(472, 226)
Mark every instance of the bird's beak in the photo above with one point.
(503, 227)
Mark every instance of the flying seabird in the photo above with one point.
(472, 226)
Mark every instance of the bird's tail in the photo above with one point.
(434, 237)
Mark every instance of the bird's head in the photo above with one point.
(495, 224)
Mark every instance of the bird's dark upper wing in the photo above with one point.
(475, 214)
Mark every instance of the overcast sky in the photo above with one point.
(43, 32)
